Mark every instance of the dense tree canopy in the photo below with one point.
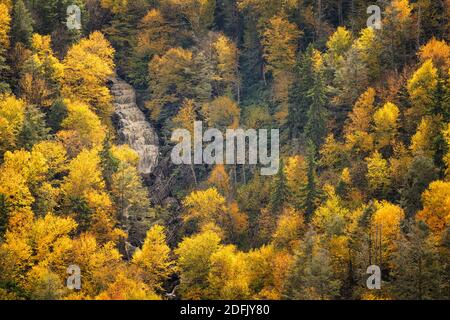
(364, 167)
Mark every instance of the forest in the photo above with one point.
(86, 178)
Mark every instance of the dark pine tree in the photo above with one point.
(299, 100)
(316, 127)
(3, 215)
(34, 128)
(279, 191)
(22, 24)
(310, 191)
(109, 163)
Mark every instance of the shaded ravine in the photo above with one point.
(132, 127)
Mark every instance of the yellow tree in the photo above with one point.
(154, 258)
(125, 287)
(115, 6)
(130, 197)
(103, 220)
(400, 163)
(280, 47)
(397, 31)
(169, 68)
(12, 115)
(226, 54)
(82, 129)
(338, 44)
(198, 13)
(357, 128)
(228, 277)
(87, 66)
(194, 263)
(422, 143)
(268, 270)
(49, 236)
(436, 207)
(155, 34)
(386, 124)
(331, 217)
(22, 176)
(388, 218)
(222, 113)
(48, 193)
(331, 152)
(174, 77)
(377, 173)
(186, 116)
(55, 156)
(101, 265)
(260, 263)
(32, 166)
(42, 73)
(13, 186)
(8, 4)
(295, 170)
(220, 179)
(331, 220)
(44, 284)
(5, 24)
(206, 206)
(125, 155)
(368, 47)
(37, 248)
(84, 175)
(422, 89)
(438, 51)
(290, 226)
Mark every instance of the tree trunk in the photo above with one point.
(193, 174)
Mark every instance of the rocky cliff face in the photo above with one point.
(132, 127)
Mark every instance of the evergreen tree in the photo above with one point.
(22, 25)
(418, 274)
(351, 79)
(154, 36)
(311, 193)
(34, 128)
(108, 162)
(312, 277)
(227, 17)
(251, 58)
(280, 191)
(4, 68)
(3, 215)
(5, 26)
(56, 115)
(132, 202)
(51, 14)
(420, 174)
(299, 100)
(397, 34)
(121, 33)
(316, 127)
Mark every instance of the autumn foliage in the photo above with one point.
(364, 122)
